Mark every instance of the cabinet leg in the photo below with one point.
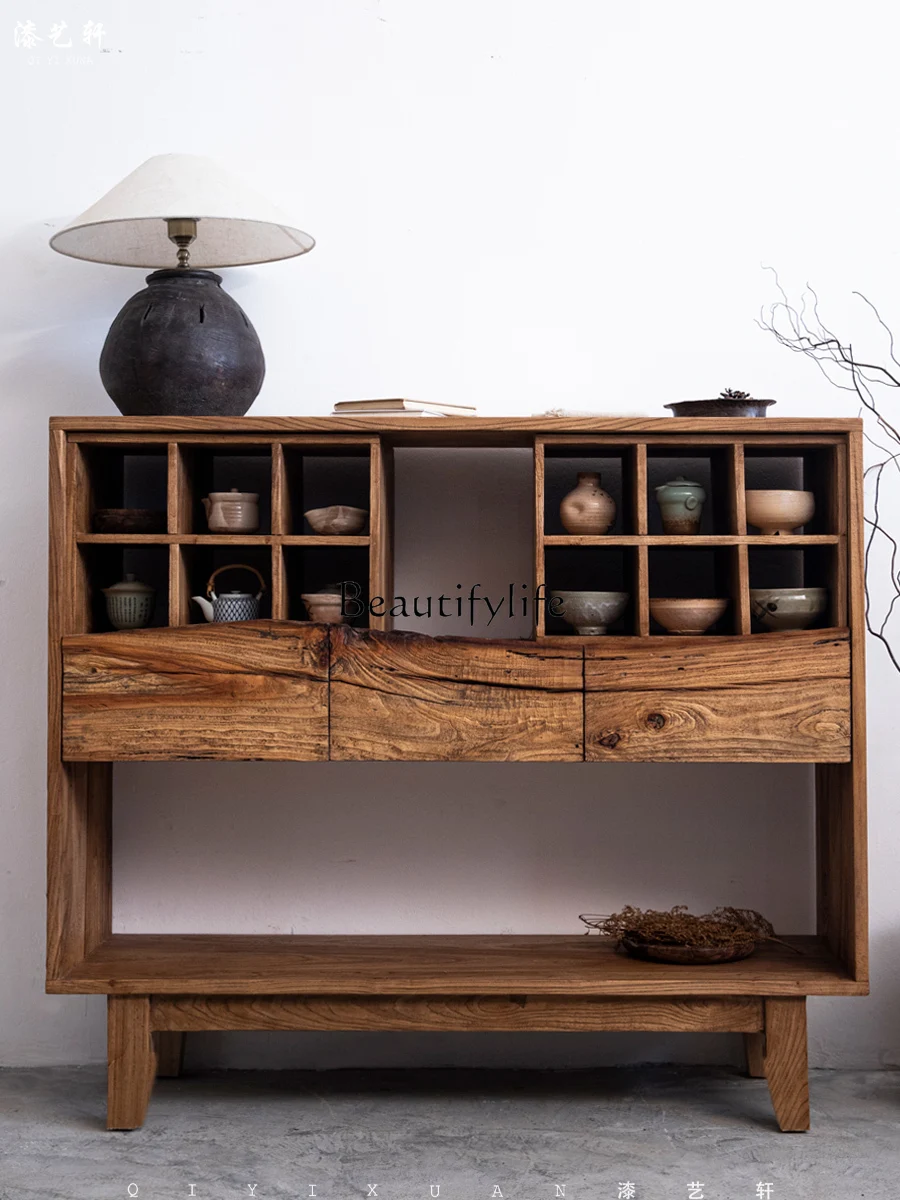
(785, 1061)
(169, 1053)
(131, 1057)
(754, 1046)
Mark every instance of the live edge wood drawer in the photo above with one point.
(289, 691)
(257, 690)
(768, 698)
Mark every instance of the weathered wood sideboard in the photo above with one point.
(282, 688)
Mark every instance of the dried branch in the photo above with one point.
(803, 331)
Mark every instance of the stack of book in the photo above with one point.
(401, 408)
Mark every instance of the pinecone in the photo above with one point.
(729, 394)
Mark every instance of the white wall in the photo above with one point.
(518, 204)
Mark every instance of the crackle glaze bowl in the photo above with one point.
(590, 613)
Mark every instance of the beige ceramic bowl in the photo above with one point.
(686, 616)
(323, 607)
(337, 519)
(778, 511)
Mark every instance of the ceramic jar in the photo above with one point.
(680, 505)
(232, 512)
(587, 508)
(129, 603)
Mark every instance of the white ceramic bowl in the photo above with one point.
(337, 519)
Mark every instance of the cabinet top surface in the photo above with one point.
(436, 429)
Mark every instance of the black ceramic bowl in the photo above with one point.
(720, 408)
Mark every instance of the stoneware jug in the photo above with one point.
(680, 505)
(587, 508)
(129, 603)
(232, 512)
(231, 606)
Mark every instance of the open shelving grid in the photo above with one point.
(724, 558)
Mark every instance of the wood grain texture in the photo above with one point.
(405, 696)
(448, 430)
(281, 499)
(131, 1066)
(251, 690)
(781, 722)
(716, 662)
(79, 797)
(435, 964)
(381, 520)
(463, 1013)
(169, 1047)
(755, 1050)
(785, 1061)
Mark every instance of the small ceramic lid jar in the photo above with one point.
(232, 511)
(129, 603)
(681, 505)
(681, 491)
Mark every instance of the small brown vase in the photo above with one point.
(587, 508)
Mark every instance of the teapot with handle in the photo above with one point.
(231, 606)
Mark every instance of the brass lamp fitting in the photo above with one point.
(182, 231)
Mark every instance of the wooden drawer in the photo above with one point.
(257, 690)
(770, 698)
(404, 696)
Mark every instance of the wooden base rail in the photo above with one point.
(147, 1033)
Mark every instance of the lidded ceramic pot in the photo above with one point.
(232, 512)
(587, 508)
(680, 505)
(129, 603)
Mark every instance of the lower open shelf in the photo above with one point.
(236, 964)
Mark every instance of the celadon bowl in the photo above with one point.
(787, 608)
(590, 613)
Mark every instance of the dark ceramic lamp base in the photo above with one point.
(182, 347)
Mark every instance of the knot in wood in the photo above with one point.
(656, 720)
(609, 740)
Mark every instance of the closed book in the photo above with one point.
(400, 405)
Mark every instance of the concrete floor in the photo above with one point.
(470, 1132)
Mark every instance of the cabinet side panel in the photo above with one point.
(841, 825)
(79, 797)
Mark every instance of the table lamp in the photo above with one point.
(182, 346)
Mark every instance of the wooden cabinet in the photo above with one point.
(283, 688)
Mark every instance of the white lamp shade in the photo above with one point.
(235, 225)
